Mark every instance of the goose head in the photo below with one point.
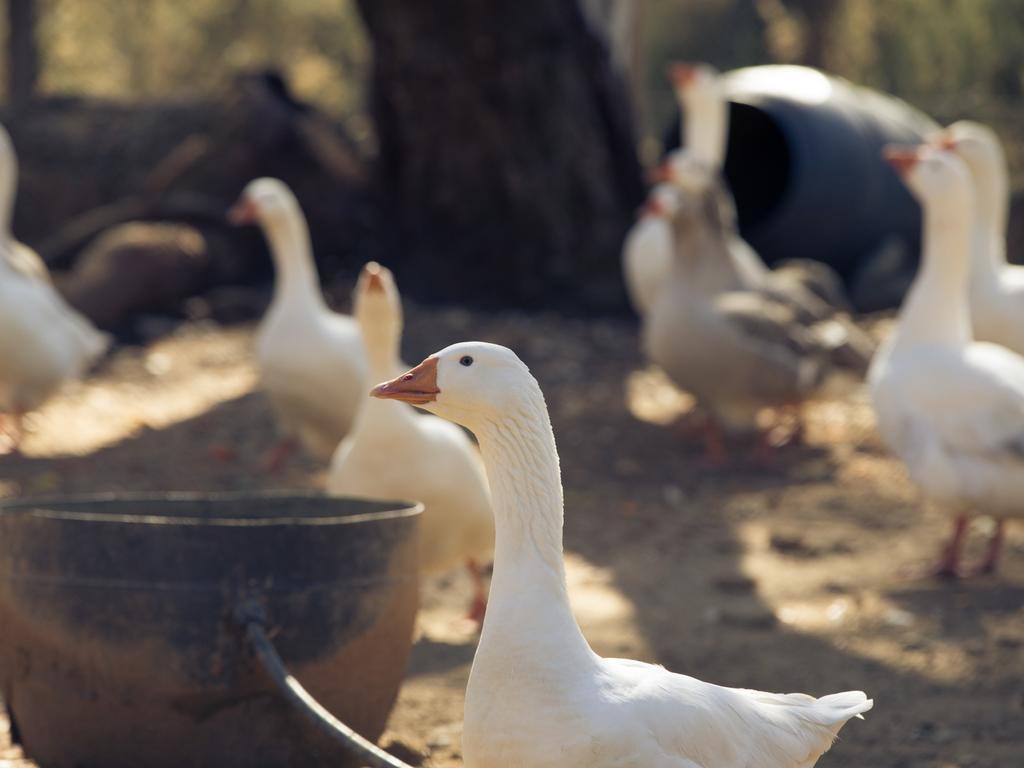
(686, 198)
(687, 171)
(265, 201)
(377, 305)
(937, 178)
(980, 149)
(697, 86)
(702, 100)
(663, 201)
(472, 383)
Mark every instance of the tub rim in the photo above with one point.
(63, 508)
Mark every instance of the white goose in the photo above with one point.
(996, 287)
(19, 255)
(701, 95)
(395, 453)
(950, 407)
(538, 695)
(312, 362)
(736, 350)
(647, 250)
(43, 341)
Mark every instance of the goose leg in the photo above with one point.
(949, 562)
(763, 452)
(995, 546)
(799, 429)
(478, 607)
(689, 424)
(273, 460)
(714, 443)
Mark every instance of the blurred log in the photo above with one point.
(507, 148)
(136, 268)
(87, 165)
(22, 52)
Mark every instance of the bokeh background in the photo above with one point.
(425, 137)
(493, 153)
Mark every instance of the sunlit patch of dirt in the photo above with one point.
(792, 576)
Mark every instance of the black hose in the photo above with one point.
(251, 616)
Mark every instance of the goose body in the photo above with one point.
(996, 287)
(311, 360)
(810, 288)
(647, 253)
(395, 453)
(43, 341)
(18, 255)
(950, 407)
(737, 349)
(538, 695)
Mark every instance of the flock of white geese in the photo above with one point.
(947, 386)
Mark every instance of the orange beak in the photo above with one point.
(243, 212)
(374, 282)
(682, 75)
(902, 159)
(418, 386)
(661, 174)
(947, 142)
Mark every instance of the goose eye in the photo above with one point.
(466, 360)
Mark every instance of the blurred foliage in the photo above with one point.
(952, 58)
(140, 49)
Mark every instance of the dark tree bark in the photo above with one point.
(22, 52)
(506, 148)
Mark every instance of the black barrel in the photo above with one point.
(119, 640)
(804, 161)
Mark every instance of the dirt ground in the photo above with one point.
(793, 578)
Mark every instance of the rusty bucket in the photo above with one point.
(120, 643)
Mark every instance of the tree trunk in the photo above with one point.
(506, 147)
(22, 52)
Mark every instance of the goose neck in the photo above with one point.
(988, 251)
(936, 309)
(8, 187)
(529, 604)
(382, 343)
(296, 274)
(706, 127)
(703, 258)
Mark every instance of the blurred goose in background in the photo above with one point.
(736, 349)
(950, 407)
(699, 168)
(311, 360)
(43, 341)
(647, 251)
(22, 258)
(395, 453)
(996, 287)
(538, 695)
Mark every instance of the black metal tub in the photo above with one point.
(120, 642)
